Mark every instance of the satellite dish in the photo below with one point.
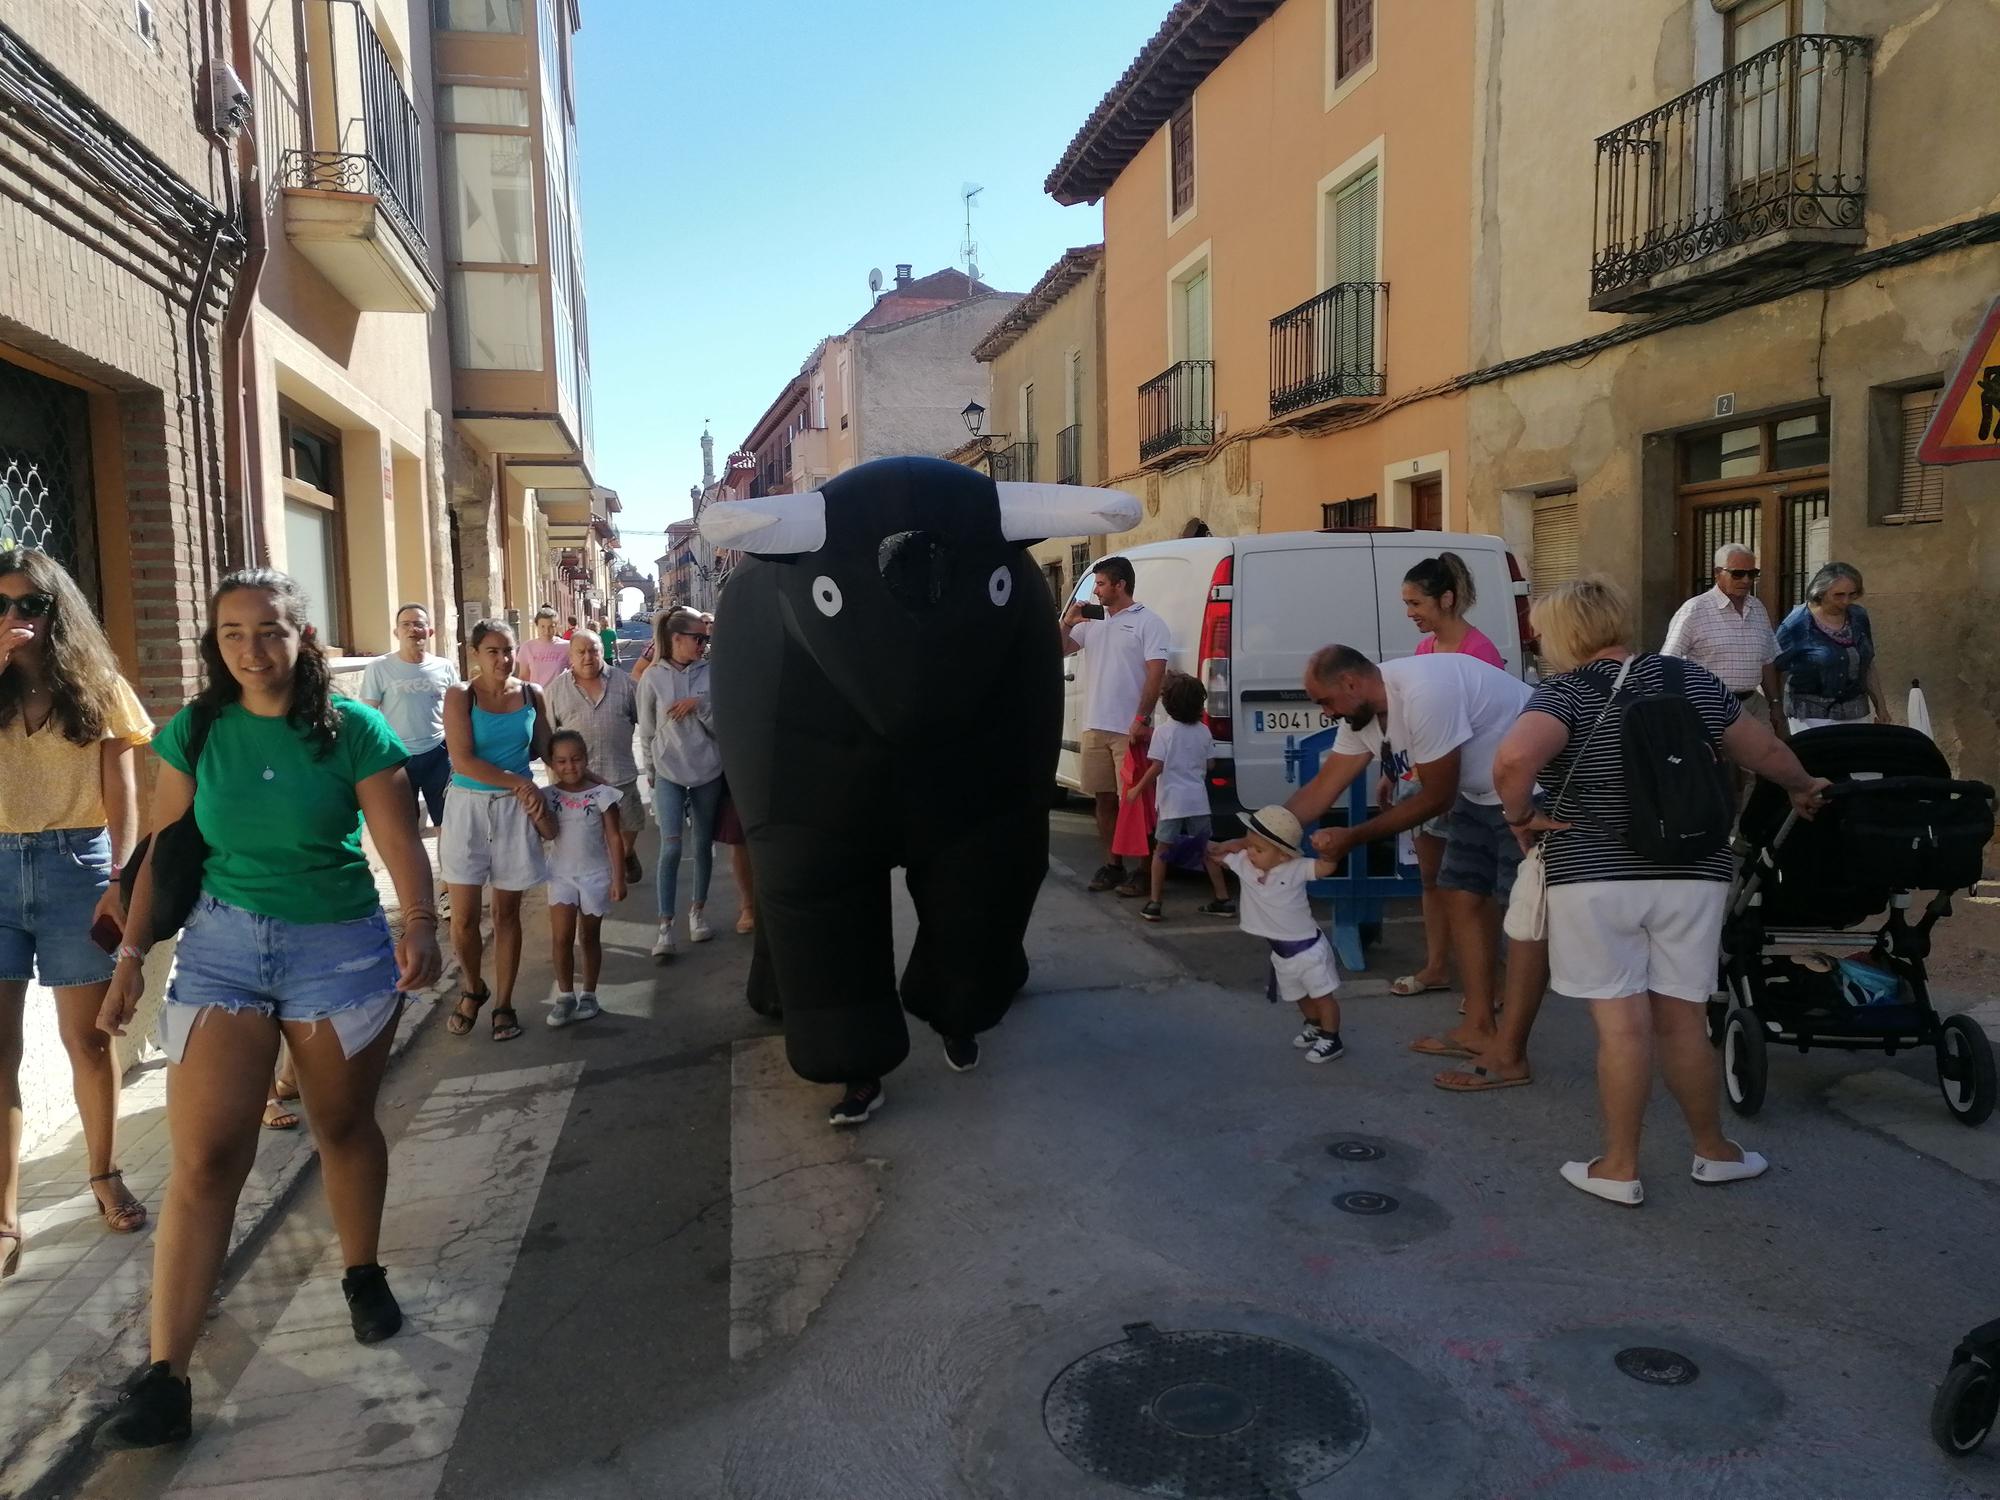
(875, 281)
(972, 270)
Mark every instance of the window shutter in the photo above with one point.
(1356, 43)
(1919, 486)
(1181, 138)
(1354, 222)
(1555, 540)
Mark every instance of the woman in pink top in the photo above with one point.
(1436, 594)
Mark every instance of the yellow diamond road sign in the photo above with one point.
(1965, 428)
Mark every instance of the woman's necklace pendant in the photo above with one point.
(269, 774)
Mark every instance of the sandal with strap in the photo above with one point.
(12, 1263)
(128, 1217)
(459, 1023)
(505, 1030)
(278, 1114)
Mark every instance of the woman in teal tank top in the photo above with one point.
(495, 726)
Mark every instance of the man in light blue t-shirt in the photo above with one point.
(409, 685)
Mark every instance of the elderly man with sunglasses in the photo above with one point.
(1727, 631)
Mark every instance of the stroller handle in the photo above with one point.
(1934, 785)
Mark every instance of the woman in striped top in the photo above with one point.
(1638, 940)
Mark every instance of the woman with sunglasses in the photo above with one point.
(287, 938)
(69, 815)
(677, 746)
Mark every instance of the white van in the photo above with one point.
(1246, 612)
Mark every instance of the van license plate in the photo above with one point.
(1304, 720)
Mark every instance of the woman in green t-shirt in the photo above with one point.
(288, 938)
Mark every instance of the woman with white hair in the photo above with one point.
(1826, 655)
(1635, 937)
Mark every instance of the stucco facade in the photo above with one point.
(1627, 427)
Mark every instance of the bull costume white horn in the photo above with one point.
(1030, 512)
(769, 524)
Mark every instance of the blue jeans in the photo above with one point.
(429, 772)
(49, 885)
(672, 803)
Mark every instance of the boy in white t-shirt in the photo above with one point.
(579, 816)
(1273, 875)
(1177, 762)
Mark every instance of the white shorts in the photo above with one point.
(1308, 975)
(589, 891)
(1613, 938)
(488, 840)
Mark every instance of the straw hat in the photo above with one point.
(1277, 824)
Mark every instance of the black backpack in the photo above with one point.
(1681, 807)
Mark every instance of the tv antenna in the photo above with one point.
(970, 249)
(875, 281)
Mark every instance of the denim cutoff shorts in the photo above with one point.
(343, 973)
(50, 884)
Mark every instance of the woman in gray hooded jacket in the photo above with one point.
(677, 747)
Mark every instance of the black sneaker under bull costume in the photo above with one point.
(888, 691)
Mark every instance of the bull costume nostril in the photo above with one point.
(857, 739)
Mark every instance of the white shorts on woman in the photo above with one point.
(1613, 938)
(488, 840)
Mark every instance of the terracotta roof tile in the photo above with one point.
(1056, 283)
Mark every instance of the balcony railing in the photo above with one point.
(1069, 454)
(390, 163)
(1328, 349)
(1771, 150)
(1177, 410)
(1016, 461)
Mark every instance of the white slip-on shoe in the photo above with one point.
(698, 928)
(1624, 1194)
(1706, 1169)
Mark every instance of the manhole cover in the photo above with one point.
(1355, 1151)
(1205, 1416)
(1366, 1203)
(1656, 1366)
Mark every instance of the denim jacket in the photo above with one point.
(1817, 668)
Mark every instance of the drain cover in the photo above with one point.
(1205, 1416)
(1656, 1366)
(1355, 1151)
(1366, 1203)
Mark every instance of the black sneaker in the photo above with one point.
(1216, 909)
(859, 1102)
(1106, 877)
(371, 1306)
(1152, 913)
(155, 1410)
(962, 1052)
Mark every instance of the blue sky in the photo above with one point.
(746, 162)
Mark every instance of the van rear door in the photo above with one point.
(1293, 592)
(1493, 610)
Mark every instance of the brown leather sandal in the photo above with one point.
(13, 1261)
(120, 1218)
(458, 1023)
(506, 1025)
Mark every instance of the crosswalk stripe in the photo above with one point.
(316, 1414)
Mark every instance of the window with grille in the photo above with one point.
(1335, 514)
(1079, 562)
(1180, 134)
(1808, 544)
(1919, 486)
(1354, 37)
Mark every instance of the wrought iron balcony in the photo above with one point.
(1016, 461)
(1177, 411)
(1069, 454)
(1328, 351)
(1763, 163)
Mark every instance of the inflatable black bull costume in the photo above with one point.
(888, 692)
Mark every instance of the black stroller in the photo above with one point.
(1809, 957)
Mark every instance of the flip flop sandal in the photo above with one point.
(509, 1028)
(1431, 1046)
(12, 1263)
(1410, 985)
(1477, 1080)
(458, 1023)
(277, 1116)
(119, 1218)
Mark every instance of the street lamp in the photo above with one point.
(975, 416)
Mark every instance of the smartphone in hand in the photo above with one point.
(106, 933)
(1091, 611)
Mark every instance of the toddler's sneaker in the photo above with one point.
(1326, 1048)
(1223, 908)
(587, 1007)
(563, 1011)
(1308, 1034)
(698, 928)
(1152, 913)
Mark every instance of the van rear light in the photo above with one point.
(1520, 586)
(1213, 652)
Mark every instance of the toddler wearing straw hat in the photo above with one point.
(1273, 871)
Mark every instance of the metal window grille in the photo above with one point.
(1335, 514)
(1919, 486)
(44, 471)
(1807, 548)
(1079, 562)
(1736, 521)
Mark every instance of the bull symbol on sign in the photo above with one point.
(888, 692)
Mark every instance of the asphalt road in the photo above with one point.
(636, 1262)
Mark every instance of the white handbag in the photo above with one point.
(1527, 919)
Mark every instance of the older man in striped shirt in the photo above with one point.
(1727, 631)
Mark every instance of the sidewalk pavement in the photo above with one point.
(73, 1320)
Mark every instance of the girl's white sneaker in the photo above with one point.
(698, 928)
(1625, 1194)
(1708, 1170)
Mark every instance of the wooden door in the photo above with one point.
(1427, 504)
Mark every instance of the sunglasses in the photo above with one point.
(1739, 574)
(28, 606)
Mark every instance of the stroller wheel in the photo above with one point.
(1965, 1070)
(1744, 1065)
(1966, 1404)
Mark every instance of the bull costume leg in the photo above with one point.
(888, 690)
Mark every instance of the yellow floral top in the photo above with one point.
(49, 782)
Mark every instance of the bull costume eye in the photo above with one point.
(1000, 587)
(826, 596)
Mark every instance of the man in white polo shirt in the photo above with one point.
(1726, 630)
(1124, 662)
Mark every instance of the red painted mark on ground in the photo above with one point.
(1472, 1350)
(1317, 1265)
(1578, 1453)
